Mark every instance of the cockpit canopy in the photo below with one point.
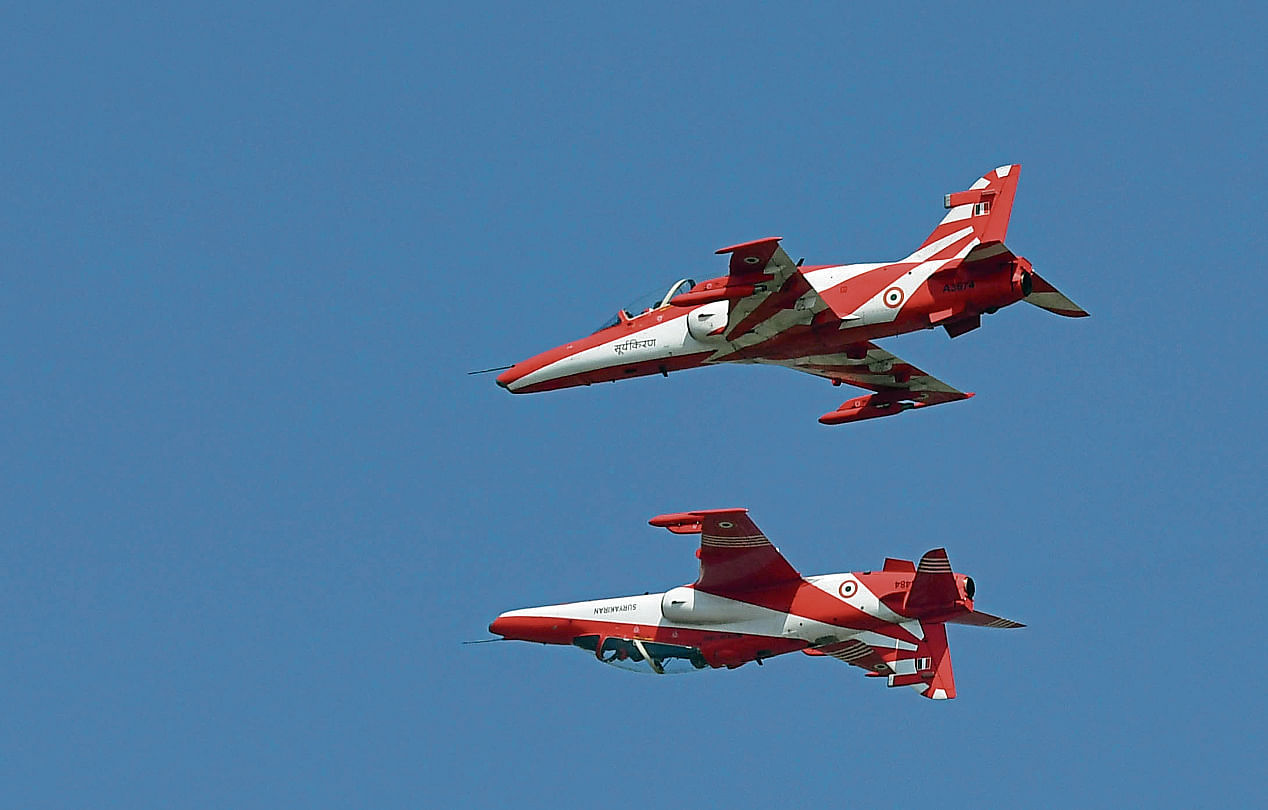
(647, 302)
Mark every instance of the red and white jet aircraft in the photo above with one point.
(820, 319)
(749, 604)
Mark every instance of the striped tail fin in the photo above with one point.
(930, 672)
(933, 587)
(980, 213)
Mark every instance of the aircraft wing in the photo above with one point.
(779, 298)
(927, 668)
(855, 653)
(896, 381)
(734, 554)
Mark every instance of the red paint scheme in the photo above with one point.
(874, 406)
(821, 319)
(716, 292)
(888, 622)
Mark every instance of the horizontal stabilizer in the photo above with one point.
(987, 254)
(980, 619)
(1046, 296)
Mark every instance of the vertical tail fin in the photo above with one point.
(979, 213)
(933, 587)
(942, 685)
(928, 669)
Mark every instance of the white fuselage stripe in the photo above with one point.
(756, 620)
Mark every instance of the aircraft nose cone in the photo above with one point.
(507, 377)
(498, 626)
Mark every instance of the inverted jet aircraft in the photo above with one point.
(749, 604)
(819, 319)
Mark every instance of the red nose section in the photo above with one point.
(542, 629)
(512, 377)
(509, 376)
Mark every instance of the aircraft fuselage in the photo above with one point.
(866, 302)
(731, 630)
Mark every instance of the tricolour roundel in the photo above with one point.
(751, 260)
(893, 297)
(725, 524)
(848, 588)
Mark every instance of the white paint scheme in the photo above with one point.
(706, 319)
(958, 213)
(903, 666)
(684, 605)
(748, 619)
(875, 311)
(825, 278)
(863, 599)
(880, 642)
(934, 248)
(671, 340)
(912, 626)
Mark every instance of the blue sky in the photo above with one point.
(253, 504)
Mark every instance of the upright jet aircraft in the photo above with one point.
(820, 319)
(749, 604)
